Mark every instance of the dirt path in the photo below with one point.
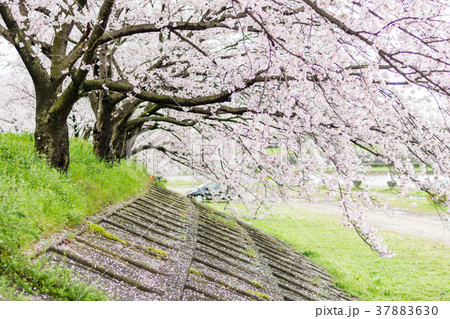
(426, 226)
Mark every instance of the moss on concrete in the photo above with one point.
(97, 229)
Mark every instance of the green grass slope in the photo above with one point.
(36, 200)
(419, 271)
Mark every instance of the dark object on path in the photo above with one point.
(210, 191)
(164, 246)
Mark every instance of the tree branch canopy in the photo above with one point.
(332, 83)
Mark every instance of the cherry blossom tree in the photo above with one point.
(17, 105)
(59, 65)
(17, 102)
(329, 79)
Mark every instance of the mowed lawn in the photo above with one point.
(419, 271)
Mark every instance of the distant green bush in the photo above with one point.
(391, 184)
(357, 184)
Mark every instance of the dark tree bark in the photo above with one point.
(111, 128)
(107, 130)
(119, 137)
(103, 129)
(103, 108)
(51, 137)
(52, 141)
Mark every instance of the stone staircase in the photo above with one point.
(163, 246)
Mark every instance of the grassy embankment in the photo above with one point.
(420, 270)
(37, 201)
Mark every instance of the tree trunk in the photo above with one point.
(103, 129)
(120, 136)
(103, 108)
(51, 139)
(118, 140)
